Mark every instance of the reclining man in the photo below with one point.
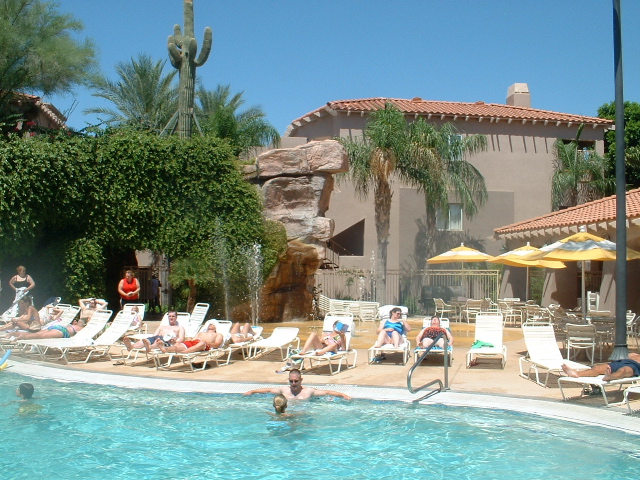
(168, 335)
(208, 340)
(625, 368)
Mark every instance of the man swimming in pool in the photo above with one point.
(296, 390)
(625, 368)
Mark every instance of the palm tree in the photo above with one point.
(220, 117)
(579, 175)
(420, 155)
(143, 96)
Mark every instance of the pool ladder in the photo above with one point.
(437, 381)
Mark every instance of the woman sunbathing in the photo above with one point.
(330, 341)
(28, 317)
(52, 331)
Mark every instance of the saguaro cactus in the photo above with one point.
(182, 54)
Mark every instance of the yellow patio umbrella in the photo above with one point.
(459, 254)
(580, 247)
(514, 258)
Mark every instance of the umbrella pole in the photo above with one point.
(526, 292)
(584, 293)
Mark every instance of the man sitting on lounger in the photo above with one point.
(203, 341)
(625, 368)
(296, 390)
(168, 335)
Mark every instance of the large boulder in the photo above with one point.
(326, 156)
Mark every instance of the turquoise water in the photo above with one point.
(93, 432)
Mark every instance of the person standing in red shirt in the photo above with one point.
(129, 289)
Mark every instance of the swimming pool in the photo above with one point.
(89, 431)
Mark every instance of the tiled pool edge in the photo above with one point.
(601, 417)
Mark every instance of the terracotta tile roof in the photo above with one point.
(591, 213)
(51, 112)
(477, 110)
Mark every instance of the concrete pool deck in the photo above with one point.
(485, 385)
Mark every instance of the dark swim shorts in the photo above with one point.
(618, 364)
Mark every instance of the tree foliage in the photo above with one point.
(219, 111)
(631, 139)
(38, 52)
(579, 175)
(419, 154)
(143, 96)
(123, 189)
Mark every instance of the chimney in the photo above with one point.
(518, 95)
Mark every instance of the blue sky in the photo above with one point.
(291, 57)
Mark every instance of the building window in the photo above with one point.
(450, 220)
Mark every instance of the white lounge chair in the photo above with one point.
(404, 348)
(280, 339)
(543, 354)
(244, 346)
(595, 382)
(341, 356)
(196, 319)
(101, 346)
(628, 390)
(81, 339)
(444, 323)
(488, 339)
(142, 326)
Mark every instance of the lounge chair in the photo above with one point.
(196, 318)
(543, 354)
(280, 339)
(81, 339)
(142, 326)
(632, 389)
(488, 339)
(244, 346)
(341, 356)
(597, 382)
(101, 346)
(404, 349)
(444, 323)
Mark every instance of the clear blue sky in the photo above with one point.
(291, 57)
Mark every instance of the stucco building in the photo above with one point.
(517, 166)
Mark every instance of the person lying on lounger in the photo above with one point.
(240, 333)
(625, 368)
(203, 341)
(89, 306)
(53, 331)
(296, 390)
(330, 341)
(428, 334)
(168, 335)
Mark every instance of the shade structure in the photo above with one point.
(459, 254)
(581, 247)
(514, 258)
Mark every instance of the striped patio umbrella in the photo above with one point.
(515, 258)
(580, 247)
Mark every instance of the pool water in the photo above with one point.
(79, 431)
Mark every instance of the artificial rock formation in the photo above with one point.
(296, 184)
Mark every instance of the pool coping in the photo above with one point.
(587, 415)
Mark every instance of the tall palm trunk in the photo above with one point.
(382, 204)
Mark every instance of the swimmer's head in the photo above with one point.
(280, 403)
(25, 390)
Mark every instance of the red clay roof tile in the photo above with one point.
(601, 210)
(471, 110)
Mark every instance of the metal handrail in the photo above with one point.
(442, 386)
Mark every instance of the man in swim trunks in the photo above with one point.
(167, 334)
(296, 390)
(88, 307)
(625, 368)
(53, 331)
(203, 341)
(428, 334)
